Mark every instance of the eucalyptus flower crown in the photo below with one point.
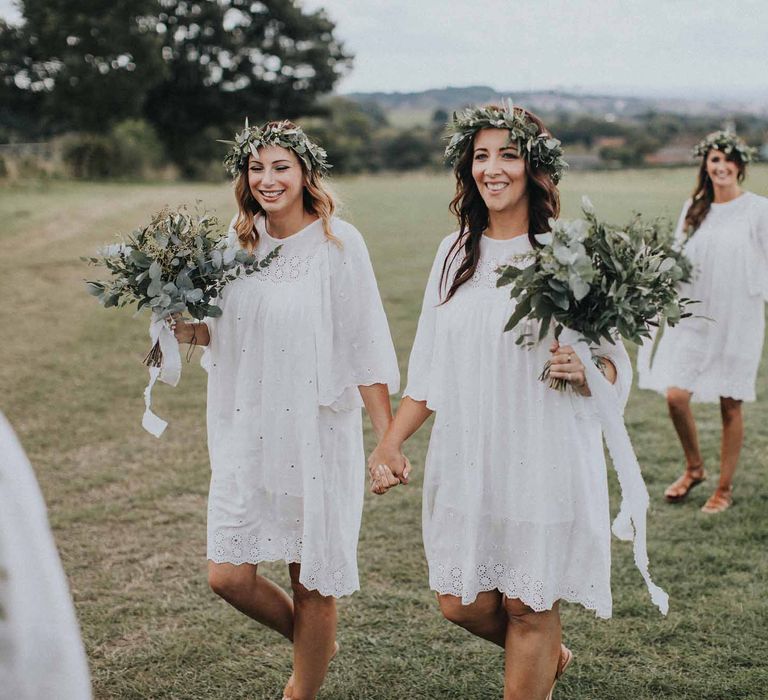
(282, 133)
(727, 142)
(539, 148)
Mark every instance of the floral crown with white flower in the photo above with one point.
(282, 133)
(727, 142)
(538, 147)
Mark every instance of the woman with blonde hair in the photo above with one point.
(296, 352)
(515, 498)
(713, 356)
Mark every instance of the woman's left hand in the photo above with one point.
(565, 364)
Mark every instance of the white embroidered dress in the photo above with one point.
(515, 486)
(717, 351)
(284, 422)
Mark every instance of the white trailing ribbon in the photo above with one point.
(169, 372)
(630, 523)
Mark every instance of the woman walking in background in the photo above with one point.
(295, 349)
(515, 509)
(714, 355)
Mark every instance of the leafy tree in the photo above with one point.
(77, 64)
(347, 132)
(193, 68)
(440, 117)
(411, 150)
(235, 58)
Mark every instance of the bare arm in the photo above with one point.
(377, 405)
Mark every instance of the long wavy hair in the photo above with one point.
(470, 210)
(704, 194)
(317, 199)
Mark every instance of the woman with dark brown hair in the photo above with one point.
(515, 508)
(713, 356)
(296, 352)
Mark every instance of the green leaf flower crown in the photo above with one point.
(281, 133)
(727, 142)
(539, 148)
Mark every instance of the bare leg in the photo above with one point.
(733, 437)
(484, 618)
(679, 403)
(532, 651)
(314, 641)
(243, 588)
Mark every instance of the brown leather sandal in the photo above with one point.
(720, 500)
(566, 656)
(689, 479)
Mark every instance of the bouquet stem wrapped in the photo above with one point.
(178, 263)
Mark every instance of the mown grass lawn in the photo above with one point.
(128, 510)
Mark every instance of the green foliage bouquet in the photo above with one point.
(601, 281)
(178, 263)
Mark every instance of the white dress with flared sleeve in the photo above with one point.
(284, 364)
(515, 486)
(716, 352)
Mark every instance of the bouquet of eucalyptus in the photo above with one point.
(179, 262)
(599, 280)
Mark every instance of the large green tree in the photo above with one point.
(77, 64)
(193, 68)
(234, 58)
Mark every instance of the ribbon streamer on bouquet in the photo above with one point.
(630, 523)
(169, 372)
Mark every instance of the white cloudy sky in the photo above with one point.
(666, 46)
(671, 47)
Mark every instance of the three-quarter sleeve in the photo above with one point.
(420, 362)
(354, 342)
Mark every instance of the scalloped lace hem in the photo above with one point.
(530, 591)
(334, 590)
(238, 548)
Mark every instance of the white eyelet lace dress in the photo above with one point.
(717, 351)
(515, 486)
(285, 361)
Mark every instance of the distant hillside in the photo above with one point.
(419, 106)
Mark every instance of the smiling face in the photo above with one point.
(498, 171)
(723, 172)
(276, 180)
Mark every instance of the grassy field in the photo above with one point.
(128, 511)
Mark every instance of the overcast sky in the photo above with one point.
(669, 47)
(653, 46)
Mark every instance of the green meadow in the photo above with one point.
(128, 510)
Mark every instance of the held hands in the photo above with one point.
(388, 467)
(565, 364)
